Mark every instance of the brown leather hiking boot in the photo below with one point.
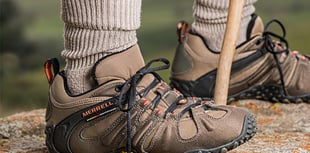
(133, 110)
(262, 68)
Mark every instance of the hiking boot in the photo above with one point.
(262, 68)
(133, 110)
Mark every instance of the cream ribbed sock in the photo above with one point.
(94, 29)
(210, 17)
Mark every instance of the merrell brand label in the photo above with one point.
(97, 108)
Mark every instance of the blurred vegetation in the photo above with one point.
(31, 31)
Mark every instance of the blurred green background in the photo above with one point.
(31, 32)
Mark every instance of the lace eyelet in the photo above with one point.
(182, 101)
(118, 88)
(145, 102)
(258, 42)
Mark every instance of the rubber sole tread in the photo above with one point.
(272, 93)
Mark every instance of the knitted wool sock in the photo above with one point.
(94, 29)
(210, 17)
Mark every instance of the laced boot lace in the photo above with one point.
(128, 94)
(279, 47)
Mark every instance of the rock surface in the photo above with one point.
(23, 133)
(283, 128)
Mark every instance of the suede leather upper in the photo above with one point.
(195, 65)
(94, 122)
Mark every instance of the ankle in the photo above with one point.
(79, 75)
(79, 80)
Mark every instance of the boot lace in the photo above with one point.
(280, 46)
(128, 93)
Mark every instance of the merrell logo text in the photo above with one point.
(97, 108)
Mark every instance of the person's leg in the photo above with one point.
(210, 18)
(93, 30)
(130, 109)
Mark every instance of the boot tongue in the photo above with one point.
(119, 66)
(255, 27)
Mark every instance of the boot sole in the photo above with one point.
(248, 131)
(272, 93)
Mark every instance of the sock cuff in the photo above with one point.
(83, 63)
(80, 43)
(102, 14)
(216, 11)
(95, 28)
(211, 18)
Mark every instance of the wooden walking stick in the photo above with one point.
(228, 51)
